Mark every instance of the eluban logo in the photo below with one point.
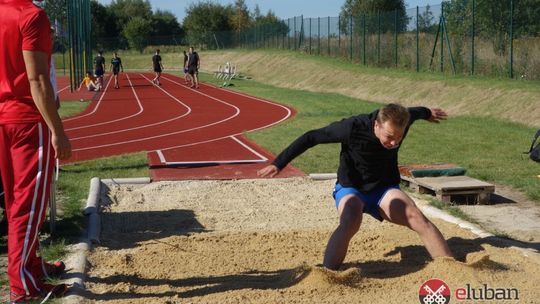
(486, 293)
(434, 291)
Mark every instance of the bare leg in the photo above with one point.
(397, 207)
(196, 80)
(350, 217)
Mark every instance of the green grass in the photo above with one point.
(490, 149)
(55, 250)
(344, 64)
(72, 108)
(4, 279)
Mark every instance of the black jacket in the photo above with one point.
(364, 162)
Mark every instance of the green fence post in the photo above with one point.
(70, 50)
(364, 38)
(339, 36)
(328, 35)
(378, 37)
(289, 33)
(318, 35)
(351, 37)
(442, 36)
(449, 46)
(310, 36)
(395, 37)
(283, 38)
(301, 38)
(417, 42)
(295, 33)
(511, 38)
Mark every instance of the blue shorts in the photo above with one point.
(371, 199)
(98, 72)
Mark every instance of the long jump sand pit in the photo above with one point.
(262, 241)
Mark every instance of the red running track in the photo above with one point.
(65, 94)
(188, 133)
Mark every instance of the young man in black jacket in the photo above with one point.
(368, 175)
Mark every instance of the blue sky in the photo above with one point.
(282, 8)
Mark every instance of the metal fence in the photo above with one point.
(476, 37)
(77, 40)
(459, 37)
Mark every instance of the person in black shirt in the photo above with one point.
(368, 176)
(158, 67)
(194, 64)
(116, 67)
(99, 67)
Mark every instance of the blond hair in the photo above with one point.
(396, 113)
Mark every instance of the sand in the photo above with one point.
(262, 241)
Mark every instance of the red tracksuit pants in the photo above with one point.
(26, 165)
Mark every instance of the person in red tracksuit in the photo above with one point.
(31, 137)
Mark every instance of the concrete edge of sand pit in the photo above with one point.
(76, 262)
(440, 214)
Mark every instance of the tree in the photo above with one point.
(204, 19)
(256, 12)
(426, 21)
(137, 32)
(104, 30)
(123, 11)
(164, 23)
(271, 24)
(372, 10)
(240, 20)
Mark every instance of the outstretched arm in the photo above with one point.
(333, 133)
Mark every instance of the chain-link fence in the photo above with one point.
(497, 38)
(476, 37)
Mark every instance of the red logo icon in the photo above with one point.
(434, 291)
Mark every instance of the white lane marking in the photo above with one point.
(142, 126)
(170, 133)
(261, 158)
(57, 92)
(95, 108)
(141, 110)
(289, 113)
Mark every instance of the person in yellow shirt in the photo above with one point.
(90, 82)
